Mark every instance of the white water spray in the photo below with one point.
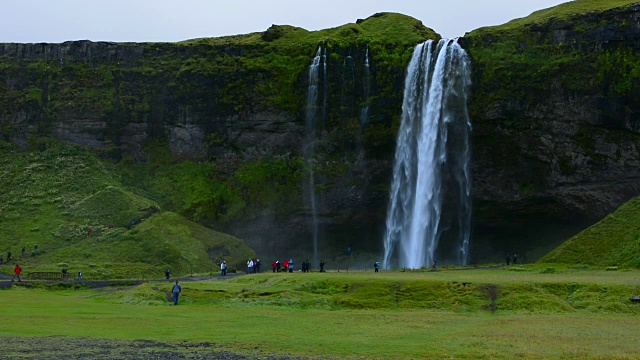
(432, 160)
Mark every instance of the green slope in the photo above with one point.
(564, 11)
(613, 241)
(52, 198)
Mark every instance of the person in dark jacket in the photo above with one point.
(176, 290)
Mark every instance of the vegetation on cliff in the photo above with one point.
(560, 43)
(554, 109)
(73, 206)
(117, 91)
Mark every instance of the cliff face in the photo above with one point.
(556, 121)
(231, 115)
(554, 110)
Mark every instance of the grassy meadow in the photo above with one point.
(524, 312)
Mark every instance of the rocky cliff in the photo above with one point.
(556, 121)
(216, 128)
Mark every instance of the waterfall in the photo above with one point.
(348, 86)
(310, 137)
(432, 161)
(364, 113)
(325, 94)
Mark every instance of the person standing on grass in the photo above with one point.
(274, 265)
(321, 265)
(176, 290)
(256, 265)
(433, 264)
(223, 268)
(167, 274)
(250, 266)
(16, 273)
(515, 258)
(508, 259)
(376, 266)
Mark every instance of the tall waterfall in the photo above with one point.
(310, 137)
(430, 196)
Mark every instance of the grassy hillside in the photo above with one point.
(73, 206)
(561, 12)
(613, 241)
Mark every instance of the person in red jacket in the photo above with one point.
(17, 272)
(274, 265)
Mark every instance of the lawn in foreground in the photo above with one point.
(380, 333)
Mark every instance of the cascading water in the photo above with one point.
(364, 113)
(310, 136)
(325, 94)
(348, 86)
(432, 161)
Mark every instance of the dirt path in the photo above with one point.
(60, 347)
(5, 281)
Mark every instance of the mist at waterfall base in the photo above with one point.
(429, 213)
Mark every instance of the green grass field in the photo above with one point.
(567, 314)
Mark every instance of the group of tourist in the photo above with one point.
(509, 258)
(287, 266)
(253, 266)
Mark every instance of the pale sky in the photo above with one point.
(175, 20)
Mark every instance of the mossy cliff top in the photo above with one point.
(566, 12)
(210, 77)
(380, 28)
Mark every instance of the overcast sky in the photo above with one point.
(175, 20)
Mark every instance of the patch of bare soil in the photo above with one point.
(60, 347)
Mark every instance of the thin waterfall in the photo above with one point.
(364, 113)
(325, 87)
(309, 144)
(431, 161)
(348, 85)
